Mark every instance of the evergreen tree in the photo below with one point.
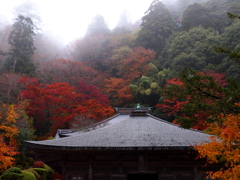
(157, 27)
(193, 49)
(97, 26)
(218, 10)
(124, 20)
(18, 58)
(230, 46)
(196, 14)
(30, 9)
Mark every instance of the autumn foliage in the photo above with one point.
(172, 105)
(56, 105)
(208, 101)
(89, 91)
(118, 90)
(223, 147)
(195, 98)
(65, 70)
(136, 63)
(8, 133)
(128, 65)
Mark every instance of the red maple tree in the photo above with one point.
(56, 105)
(119, 91)
(179, 98)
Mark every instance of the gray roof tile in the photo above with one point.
(125, 131)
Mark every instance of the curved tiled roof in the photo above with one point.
(127, 132)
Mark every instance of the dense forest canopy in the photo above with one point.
(141, 56)
(168, 60)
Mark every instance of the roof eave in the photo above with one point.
(91, 148)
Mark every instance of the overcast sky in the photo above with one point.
(70, 18)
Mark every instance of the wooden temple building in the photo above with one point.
(131, 145)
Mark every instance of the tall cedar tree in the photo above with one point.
(195, 15)
(156, 28)
(97, 26)
(22, 47)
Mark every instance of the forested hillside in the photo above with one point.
(181, 59)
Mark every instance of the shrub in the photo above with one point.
(30, 161)
(21, 158)
(57, 176)
(34, 172)
(28, 175)
(50, 172)
(25, 165)
(19, 166)
(42, 172)
(24, 162)
(13, 173)
(38, 164)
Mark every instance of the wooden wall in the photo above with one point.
(126, 165)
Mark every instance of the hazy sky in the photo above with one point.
(70, 18)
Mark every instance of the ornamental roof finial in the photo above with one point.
(138, 106)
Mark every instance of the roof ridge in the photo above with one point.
(93, 126)
(101, 122)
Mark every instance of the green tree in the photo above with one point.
(196, 14)
(31, 10)
(156, 28)
(218, 13)
(193, 49)
(146, 90)
(231, 36)
(22, 48)
(233, 10)
(177, 8)
(25, 125)
(183, 4)
(229, 45)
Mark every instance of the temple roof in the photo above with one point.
(127, 132)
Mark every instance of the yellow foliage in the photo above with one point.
(148, 92)
(154, 85)
(8, 132)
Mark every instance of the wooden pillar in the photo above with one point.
(142, 163)
(64, 173)
(195, 174)
(90, 170)
(120, 164)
